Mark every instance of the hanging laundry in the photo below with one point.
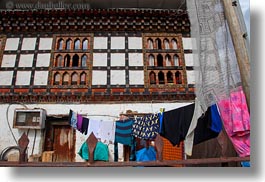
(94, 126)
(123, 135)
(107, 131)
(85, 124)
(79, 122)
(203, 131)
(236, 120)
(216, 119)
(188, 142)
(146, 127)
(176, 123)
(74, 120)
(146, 154)
(103, 130)
(70, 116)
(161, 115)
(101, 152)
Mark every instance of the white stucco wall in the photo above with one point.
(107, 112)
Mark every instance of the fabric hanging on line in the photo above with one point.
(74, 120)
(85, 124)
(103, 130)
(176, 123)
(146, 154)
(188, 142)
(216, 119)
(101, 152)
(203, 131)
(146, 127)
(70, 116)
(215, 64)
(79, 122)
(123, 135)
(236, 120)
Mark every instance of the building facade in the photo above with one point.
(97, 62)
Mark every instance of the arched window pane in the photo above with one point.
(151, 60)
(74, 79)
(60, 44)
(161, 77)
(67, 61)
(178, 78)
(168, 60)
(66, 79)
(75, 60)
(152, 77)
(59, 61)
(166, 43)
(169, 77)
(160, 60)
(84, 61)
(68, 44)
(57, 79)
(176, 60)
(174, 44)
(158, 44)
(77, 44)
(150, 44)
(83, 79)
(85, 44)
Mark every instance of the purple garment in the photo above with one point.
(79, 122)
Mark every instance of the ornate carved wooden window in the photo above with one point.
(71, 61)
(164, 60)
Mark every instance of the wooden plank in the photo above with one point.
(165, 163)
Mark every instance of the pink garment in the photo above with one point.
(236, 120)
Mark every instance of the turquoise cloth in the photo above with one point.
(101, 152)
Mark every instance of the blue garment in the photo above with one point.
(146, 127)
(101, 152)
(245, 164)
(123, 135)
(161, 115)
(216, 125)
(74, 120)
(146, 154)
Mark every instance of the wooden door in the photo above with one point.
(60, 139)
(63, 144)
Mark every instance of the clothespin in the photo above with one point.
(162, 110)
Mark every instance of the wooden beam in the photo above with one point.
(164, 163)
(240, 44)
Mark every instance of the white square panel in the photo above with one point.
(45, 44)
(8, 60)
(41, 77)
(43, 60)
(135, 43)
(100, 43)
(99, 77)
(117, 43)
(136, 77)
(189, 43)
(11, 44)
(189, 59)
(28, 43)
(117, 77)
(136, 59)
(25, 60)
(191, 77)
(117, 59)
(23, 78)
(100, 59)
(6, 77)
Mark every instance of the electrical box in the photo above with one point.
(29, 118)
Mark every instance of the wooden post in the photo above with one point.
(240, 44)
